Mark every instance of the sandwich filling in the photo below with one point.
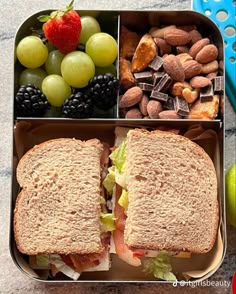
(145, 166)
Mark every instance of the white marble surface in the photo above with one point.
(12, 14)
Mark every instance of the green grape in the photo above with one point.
(31, 52)
(50, 46)
(106, 69)
(102, 48)
(56, 90)
(53, 62)
(77, 69)
(33, 76)
(90, 26)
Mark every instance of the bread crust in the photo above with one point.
(58, 208)
(165, 211)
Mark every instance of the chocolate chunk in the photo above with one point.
(144, 76)
(159, 96)
(206, 94)
(181, 106)
(169, 104)
(156, 64)
(146, 87)
(164, 83)
(219, 85)
(157, 77)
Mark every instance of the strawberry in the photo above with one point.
(62, 28)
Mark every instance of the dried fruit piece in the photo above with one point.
(128, 42)
(144, 53)
(125, 75)
(206, 110)
(174, 68)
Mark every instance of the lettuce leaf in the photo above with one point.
(107, 220)
(62, 267)
(109, 180)
(118, 157)
(160, 266)
(123, 200)
(120, 178)
(42, 260)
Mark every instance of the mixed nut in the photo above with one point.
(170, 72)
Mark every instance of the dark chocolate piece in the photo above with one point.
(219, 85)
(169, 104)
(157, 77)
(206, 94)
(159, 96)
(181, 106)
(156, 64)
(146, 87)
(144, 76)
(164, 83)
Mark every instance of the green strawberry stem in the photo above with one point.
(57, 13)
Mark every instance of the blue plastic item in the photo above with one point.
(223, 12)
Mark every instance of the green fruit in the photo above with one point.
(230, 185)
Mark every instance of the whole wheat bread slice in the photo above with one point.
(172, 190)
(58, 208)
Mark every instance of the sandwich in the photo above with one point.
(164, 189)
(60, 217)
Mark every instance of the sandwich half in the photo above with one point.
(165, 195)
(60, 209)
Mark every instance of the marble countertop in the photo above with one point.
(13, 13)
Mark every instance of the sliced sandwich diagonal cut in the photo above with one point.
(60, 211)
(165, 197)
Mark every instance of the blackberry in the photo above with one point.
(103, 91)
(30, 101)
(78, 105)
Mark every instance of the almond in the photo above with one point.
(183, 57)
(174, 68)
(195, 36)
(182, 49)
(154, 108)
(143, 104)
(191, 68)
(131, 97)
(133, 113)
(210, 67)
(177, 37)
(156, 32)
(207, 54)
(193, 51)
(199, 82)
(163, 46)
(169, 114)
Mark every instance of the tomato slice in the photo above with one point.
(122, 250)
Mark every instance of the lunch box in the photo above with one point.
(31, 131)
